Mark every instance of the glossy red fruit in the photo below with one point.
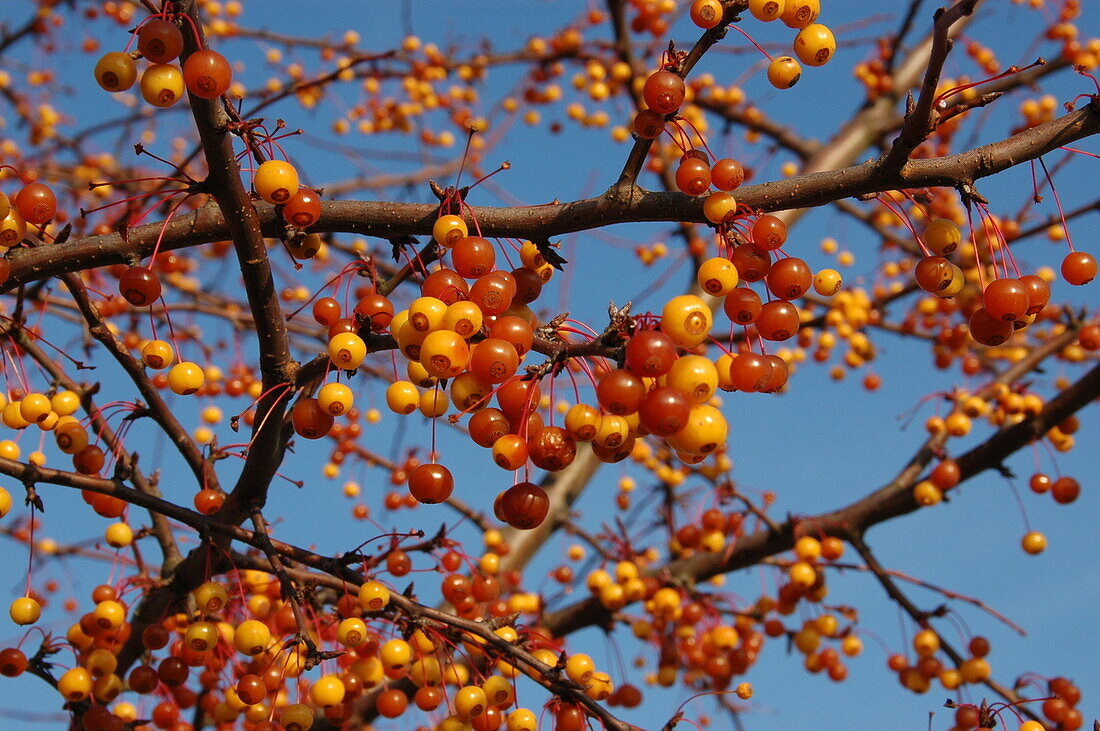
(303, 208)
(445, 284)
(934, 274)
(524, 506)
(650, 353)
(1038, 293)
(769, 233)
(473, 257)
(159, 40)
(1079, 268)
(518, 396)
(742, 306)
(431, 483)
(781, 372)
(487, 426)
(326, 311)
(778, 321)
(552, 449)
(649, 124)
(664, 411)
(789, 278)
(1006, 299)
(988, 330)
(620, 392)
(310, 419)
(664, 92)
(750, 372)
(36, 203)
(375, 308)
(727, 174)
(494, 360)
(139, 286)
(752, 263)
(514, 330)
(207, 74)
(693, 176)
(493, 292)
(528, 285)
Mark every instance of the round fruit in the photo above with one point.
(402, 397)
(648, 124)
(251, 637)
(789, 278)
(1079, 268)
(814, 45)
(494, 360)
(373, 596)
(720, 207)
(727, 174)
(328, 691)
(784, 72)
(159, 40)
(185, 378)
(347, 351)
(663, 92)
(162, 85)
(207, 74)
(445, 354)
(706, 13)
(115, 71)
(25, 610)
(664, 411)
(1006, 299)
(552, 449)
(1038, 293)
(766, 10)
(211, 597)
(447, 230)
(827, 282)
(431, 483)
(473, 256)
(75, 684)
(303, 209)
(988, 330)
(524, 506)
(36, 203)
(800, 13)
(335, 398)
(139, 286)
(750, 372)
(276, 181)
(693, 176)
(705, 431)
(157, 354)
(13, 228)
(687, 320)
(717, 276)
(942, 236)
(778, 320)
(650, 353)
(1034, 542)
(310, 419)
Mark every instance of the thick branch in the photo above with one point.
(244, 228)
(891, 501)
(391, 220)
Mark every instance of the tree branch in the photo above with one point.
(920, 120)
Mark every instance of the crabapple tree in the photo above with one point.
(339, 427)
